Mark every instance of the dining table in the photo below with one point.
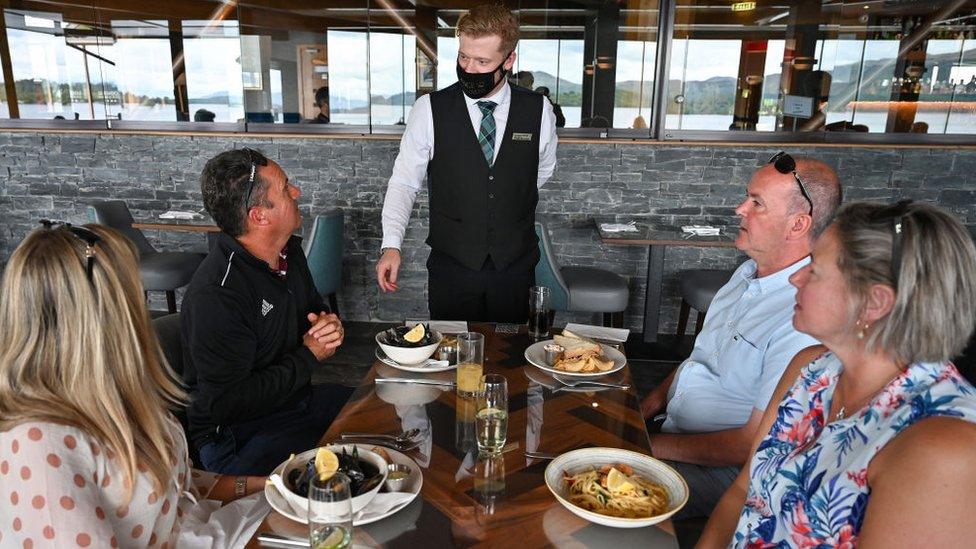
(658, 238)
(471, 499)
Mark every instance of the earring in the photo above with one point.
(863, 329)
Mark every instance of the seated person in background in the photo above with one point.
(716, 398)
(203, 115)
(254, 326)
(85, 402)
(322, 102)
(557, 111)
(871, 437)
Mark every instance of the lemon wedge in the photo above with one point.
(415, 334)
(326, 463)
(618, 482)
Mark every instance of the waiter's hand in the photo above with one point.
(387, 268)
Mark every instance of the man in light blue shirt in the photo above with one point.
(716, 398)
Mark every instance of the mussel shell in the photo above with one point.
(368, 484)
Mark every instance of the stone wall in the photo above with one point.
(56, 175)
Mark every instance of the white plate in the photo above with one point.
(536, 355)
(413, 484)
(655, 470)
(547, 381)
(381, 356)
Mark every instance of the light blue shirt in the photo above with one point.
(746, 343)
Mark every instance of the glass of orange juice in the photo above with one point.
(471, 363)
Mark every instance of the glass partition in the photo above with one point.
(55, 65)
(808, 68)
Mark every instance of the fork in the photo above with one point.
(588, 382)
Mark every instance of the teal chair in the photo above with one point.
(580, 289)
(323, 248)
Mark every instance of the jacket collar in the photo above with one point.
(230, 244)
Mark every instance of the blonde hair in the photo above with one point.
(491, 19)
(83, 353)
(935, 305)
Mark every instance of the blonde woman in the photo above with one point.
(872, 441)
(90, 454)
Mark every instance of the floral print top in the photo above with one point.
(808, 479)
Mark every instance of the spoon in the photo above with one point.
(405, 437)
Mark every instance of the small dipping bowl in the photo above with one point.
(397, 475)
(552, 352)
(447, 352)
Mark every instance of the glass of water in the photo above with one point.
(491, 417)
(330, 513)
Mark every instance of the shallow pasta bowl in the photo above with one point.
(652, 469)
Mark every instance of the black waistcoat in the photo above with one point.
(477, 210)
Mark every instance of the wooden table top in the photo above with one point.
(462, 506)
(660, 235)
(205, 225)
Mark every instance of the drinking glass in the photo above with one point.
(540, 312)
(464, 437)
(471, 362)
(330, 513)
(491, 417)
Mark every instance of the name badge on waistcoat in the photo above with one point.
(521, 136)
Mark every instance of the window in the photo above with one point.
(813, 68)
(794, 65)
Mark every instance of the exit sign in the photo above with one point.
(743, 6)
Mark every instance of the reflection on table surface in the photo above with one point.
(469, 500)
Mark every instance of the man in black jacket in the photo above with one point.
(254, 326)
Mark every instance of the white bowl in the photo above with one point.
(652, 469)
(358, 502)
(409, 355)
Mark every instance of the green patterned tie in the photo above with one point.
(486, 137)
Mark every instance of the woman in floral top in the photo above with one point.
(873, 440)
(90, 455)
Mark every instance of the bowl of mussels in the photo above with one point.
(366, 470)
(409, 345)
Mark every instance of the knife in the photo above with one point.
(436, 382)
(274, 540)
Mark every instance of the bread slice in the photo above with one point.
(575, 347)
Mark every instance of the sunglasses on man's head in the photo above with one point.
(90, 238)
(250, 179)
(785, 164)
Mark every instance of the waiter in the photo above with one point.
(485, 147)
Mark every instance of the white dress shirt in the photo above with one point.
(417, 148)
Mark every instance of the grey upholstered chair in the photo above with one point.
(324, 252)
(697, 288)
(160, 271)
(583, 289)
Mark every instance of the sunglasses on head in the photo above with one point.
(895, 217)
(785, 164)
(87, 236)
(250, 178)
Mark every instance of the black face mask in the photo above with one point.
(477, 84)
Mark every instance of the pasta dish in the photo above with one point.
(616, 491)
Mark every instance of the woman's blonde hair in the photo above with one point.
(491, 19)
(83, 353)
(928, 257)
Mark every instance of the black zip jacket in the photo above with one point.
(242, 329)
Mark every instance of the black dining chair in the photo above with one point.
(160, 271)
(168, 333)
